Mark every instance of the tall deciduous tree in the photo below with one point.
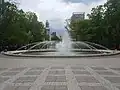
(19, 27)
(103, 25)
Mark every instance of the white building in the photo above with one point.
(78, 16)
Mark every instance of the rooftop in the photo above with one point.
(78, 12)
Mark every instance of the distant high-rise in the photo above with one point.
(47, 27)
(54, 34)
(78, 16)
(47, 24)
(47, 31)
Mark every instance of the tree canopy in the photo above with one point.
(19, 27)
(103, 25)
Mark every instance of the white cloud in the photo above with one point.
(56, 11)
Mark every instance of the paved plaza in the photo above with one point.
(60, 73)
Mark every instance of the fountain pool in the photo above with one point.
(65, 48)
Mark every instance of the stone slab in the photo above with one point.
(50, 79)
(17, 88)
(113, 79)
(76, 67)
(17, 69)
(82, 72)
(2, 79)
(23, 88)
(57, 67)
(57, 72)
(86, 79)
(55, 79)
(10, 88)
(98, 68)
(61, 79)
(33, 73)
(118, 87)
(48, 87)
(37, 68)
(25, 80)
(61, 87)
(54, 87)
(9, 73)
(2, 69)
(93, 88)
(117, 69)
(106, 73)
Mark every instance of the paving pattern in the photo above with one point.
(66, 77)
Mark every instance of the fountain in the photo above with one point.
(65, 48)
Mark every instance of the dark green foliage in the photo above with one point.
(103, 26)
(55, 38)
(19, 27)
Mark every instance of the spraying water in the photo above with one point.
(64, 47)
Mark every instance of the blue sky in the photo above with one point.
(56, 11)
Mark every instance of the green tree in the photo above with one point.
(112, 21)
(103, 26)
(19, 27)
(81, 29)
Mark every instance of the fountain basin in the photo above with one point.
(48, 49)
(51, 53)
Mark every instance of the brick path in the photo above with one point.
(60, 77)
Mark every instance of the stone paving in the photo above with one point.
(65, 77)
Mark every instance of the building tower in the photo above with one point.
(78, 16)
(48, 35)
